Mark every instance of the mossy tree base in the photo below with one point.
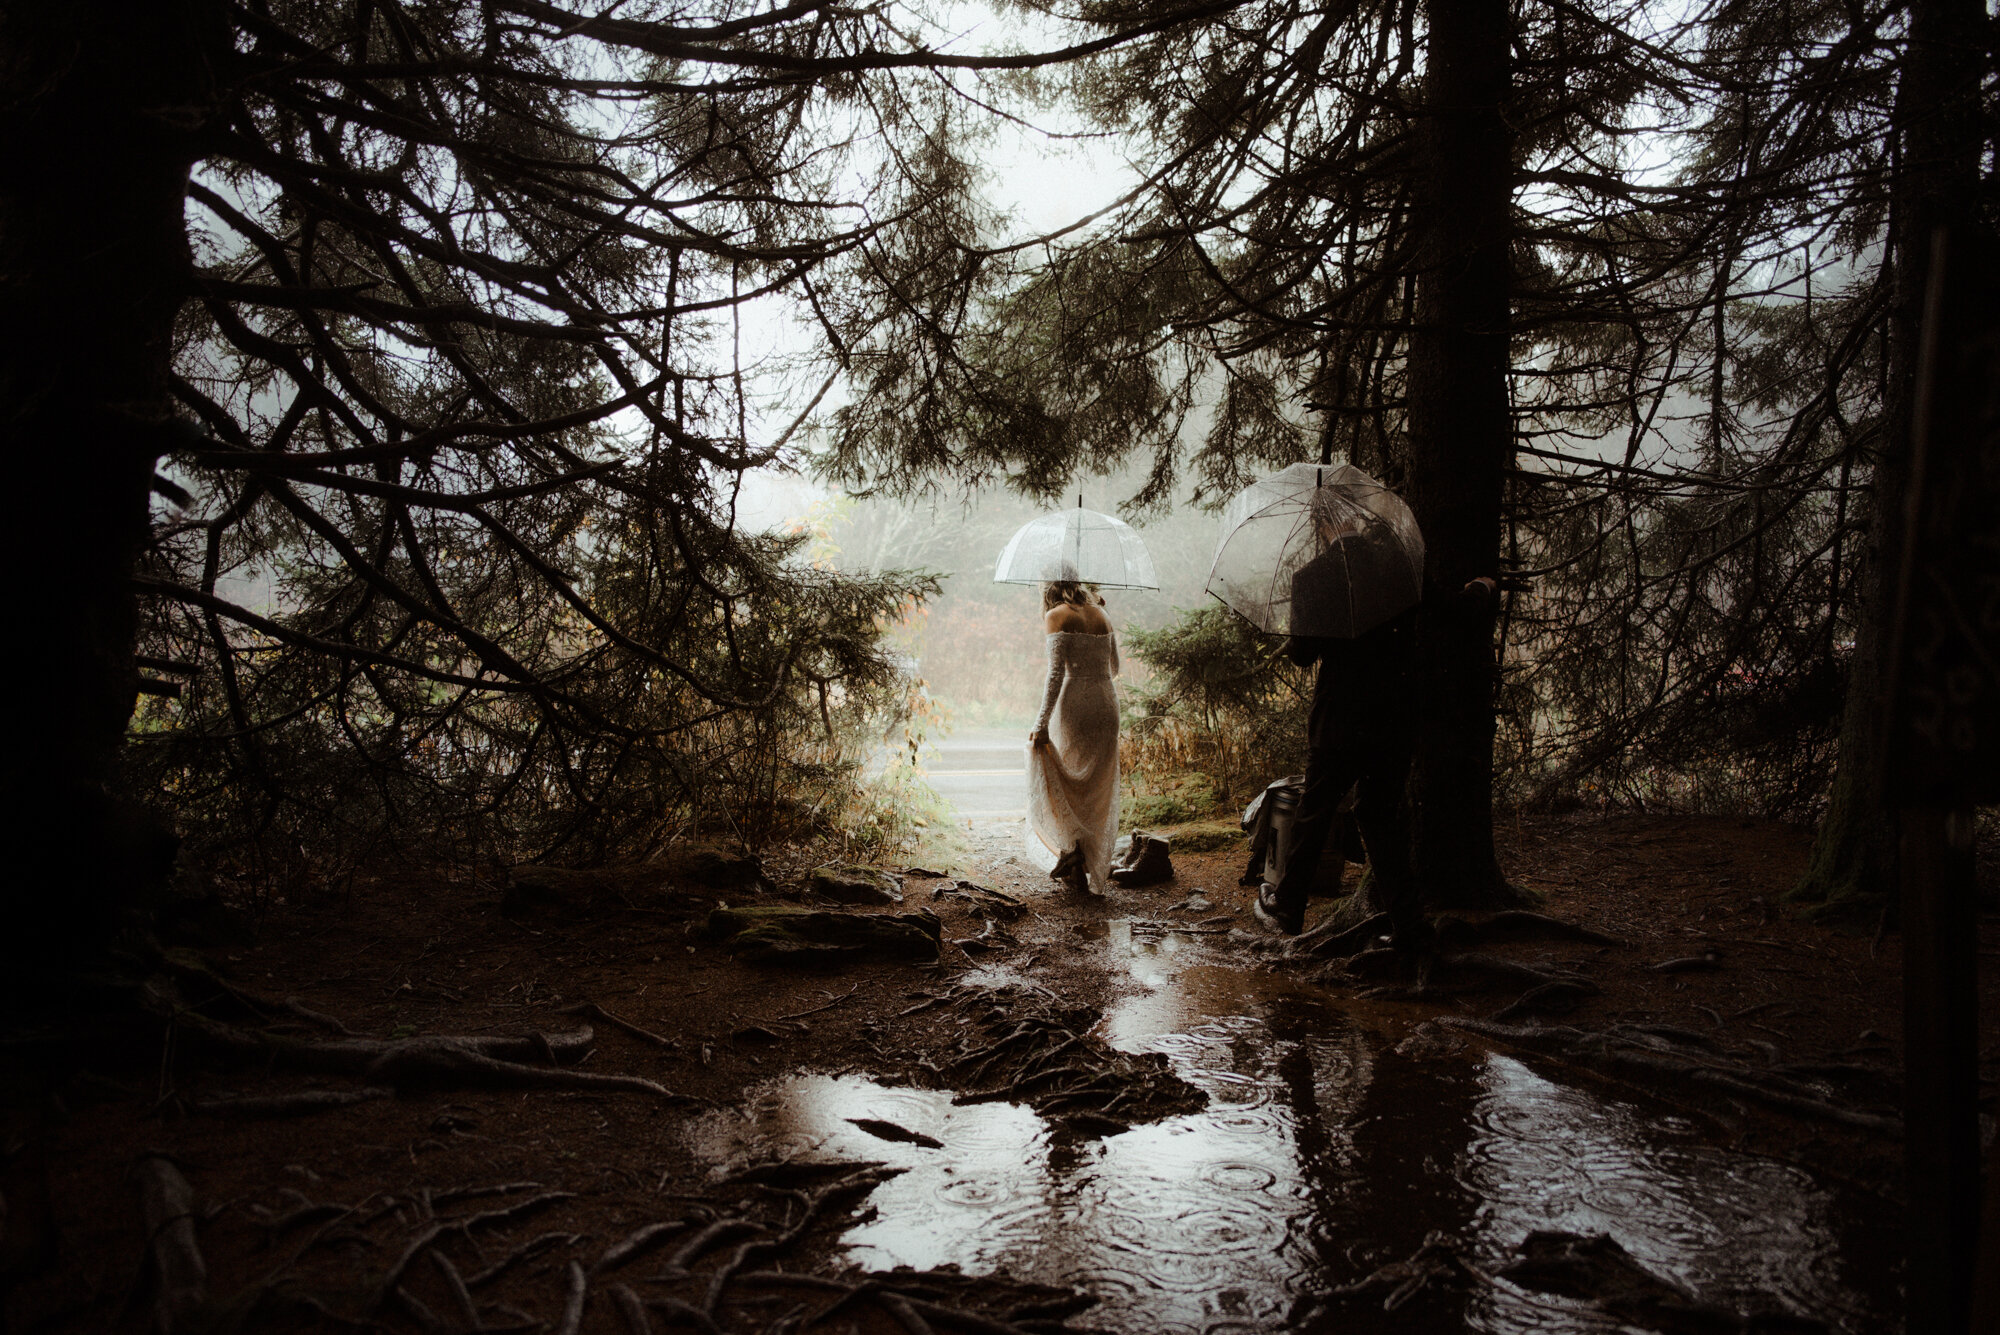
(1851, 877)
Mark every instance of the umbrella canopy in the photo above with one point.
(1080, 545)
(1316, 550)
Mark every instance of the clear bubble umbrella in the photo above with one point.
(1080, 545)
(1318, 550)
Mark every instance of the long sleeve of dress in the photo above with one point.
(1116, 666)
(1057, 667)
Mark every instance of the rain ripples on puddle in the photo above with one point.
(1322, 1155)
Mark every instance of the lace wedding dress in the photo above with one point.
(1073, 781)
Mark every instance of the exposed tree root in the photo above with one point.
(1327, 941)
(468, 1310)
(428, 1235)
(896, 1305)
(706, 1240)
(993, 905)
(1673, 1068)
(1207, 927)
(181, 1277)
(1021, 1044)
(575, 1292)
(718, 1274)
(445, 1063)
(1399, 1282)
(1404, 977)
(362, 1056)
(592, 1011)
(991, 937)
(1556, 998)
(1475, 969)
(1708, 963)
(301, 1103)
(636, 1244)
(922, 1301)
(431, 1061)
(1332, 940)
(1516, 924)
(423, 1260)
(428, 1061)
(525, 1251)
(194, 975)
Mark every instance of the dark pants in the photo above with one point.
(1380, 762)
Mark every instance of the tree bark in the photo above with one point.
(1853, 865)
(103, 99)
(1940, 1067)
(1461, 440)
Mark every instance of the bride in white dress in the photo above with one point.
(1073, 751)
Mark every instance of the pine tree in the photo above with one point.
(429, 313)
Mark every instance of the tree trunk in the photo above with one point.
(1461, 438)
(103, 98)
(1853, 865)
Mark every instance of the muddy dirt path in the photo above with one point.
(1127, 1115)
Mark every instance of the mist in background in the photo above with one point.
(979, 646)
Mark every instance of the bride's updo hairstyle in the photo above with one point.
(1059, 591)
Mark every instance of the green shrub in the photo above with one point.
(1205, 836)
(1154, 800)
(1224, 705)
(898, 814)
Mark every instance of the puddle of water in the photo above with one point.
(1739, 1230)
(1321, 1156)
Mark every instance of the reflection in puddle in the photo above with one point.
(1320, 1156)
(1741, 1231)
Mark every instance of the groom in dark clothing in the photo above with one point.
(1362, 729)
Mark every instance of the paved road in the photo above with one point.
(980, 774)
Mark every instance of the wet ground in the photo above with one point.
(1342, 1135)
(1323, 1155)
